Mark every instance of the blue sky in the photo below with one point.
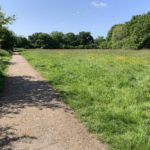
(96, 16)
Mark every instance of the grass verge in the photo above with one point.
(4, 58)
(108, 90)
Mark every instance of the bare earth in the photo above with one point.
(32, 117)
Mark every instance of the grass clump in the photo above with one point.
(108, 90)
(4, 58)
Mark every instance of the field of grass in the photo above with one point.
(108, 90)
(4, 57)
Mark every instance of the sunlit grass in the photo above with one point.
(108, 90)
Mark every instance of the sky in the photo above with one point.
(95, 16)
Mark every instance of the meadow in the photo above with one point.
(4, 58)
(109, 91)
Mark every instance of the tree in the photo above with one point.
(4, 20)
(85, 38)
(7, 39)
(5, 35)
(134, 34)
(70, 40)
(100, 42)
(58, 39)
(44, 41)
(22, 42)
(41, 40)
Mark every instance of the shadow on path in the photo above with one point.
(7, 137)
(21, 92)
(24, 91)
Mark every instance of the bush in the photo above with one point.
(4, 53)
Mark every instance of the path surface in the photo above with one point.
(31, 118)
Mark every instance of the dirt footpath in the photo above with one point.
(32, 117)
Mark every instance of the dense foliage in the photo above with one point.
(59, 40)
(21, 42)
(134, 34)
(7, 39)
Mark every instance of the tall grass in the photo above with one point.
(4, 57)
(108, 90)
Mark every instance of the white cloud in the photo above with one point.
(98, 4)
(76, 13)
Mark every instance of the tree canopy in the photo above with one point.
(134, 34)
(56, 40)
(7, 39)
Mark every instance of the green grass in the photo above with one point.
(108, 90)
(4, 58)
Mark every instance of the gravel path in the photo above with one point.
(32, 118)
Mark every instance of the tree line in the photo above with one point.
(134, 34)
(59, 40)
